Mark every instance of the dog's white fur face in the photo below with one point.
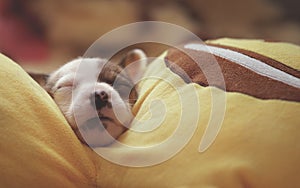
(87, 99)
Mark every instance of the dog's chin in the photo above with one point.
(98, 128)
(94, 123)
(100, 131)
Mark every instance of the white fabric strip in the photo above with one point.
(248, 62)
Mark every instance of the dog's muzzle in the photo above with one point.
(99, 99)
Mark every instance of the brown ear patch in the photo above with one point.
(39, 78)
(237, 78)
(132, 56)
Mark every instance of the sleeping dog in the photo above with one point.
(95, 108)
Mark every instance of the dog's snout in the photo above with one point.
(102, 95)
(101, 99)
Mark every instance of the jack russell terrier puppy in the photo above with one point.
(95, 109)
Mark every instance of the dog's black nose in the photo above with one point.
(101, 99)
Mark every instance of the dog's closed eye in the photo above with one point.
(63, 86)
(65, 82)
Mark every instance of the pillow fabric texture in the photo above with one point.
(38, 147)
(187, 133)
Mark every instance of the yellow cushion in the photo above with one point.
(38, 147)
(258, 144)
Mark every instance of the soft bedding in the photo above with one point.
(257, 144)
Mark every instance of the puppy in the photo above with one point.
(97, 106)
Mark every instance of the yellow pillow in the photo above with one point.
(258, 144)
(38, 147)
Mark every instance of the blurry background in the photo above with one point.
(42, 34)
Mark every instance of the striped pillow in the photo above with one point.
(242, 70)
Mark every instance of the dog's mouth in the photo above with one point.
(104, 118)
(97, 122)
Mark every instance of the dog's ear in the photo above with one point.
(137, 60)
(40, 78)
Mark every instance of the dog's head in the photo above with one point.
(91, 90)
